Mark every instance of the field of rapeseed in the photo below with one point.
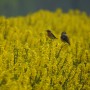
(30, 60)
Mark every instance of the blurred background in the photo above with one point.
(23, 7)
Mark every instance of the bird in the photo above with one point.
(50, 34)
(64, 37)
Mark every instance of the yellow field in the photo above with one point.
(30, 60)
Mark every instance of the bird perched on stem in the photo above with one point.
(65, 38)
(50, 34)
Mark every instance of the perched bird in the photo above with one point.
(65, 38)
(50, 35)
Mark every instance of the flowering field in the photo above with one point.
(30, 60)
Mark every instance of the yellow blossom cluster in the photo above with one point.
(30, 60)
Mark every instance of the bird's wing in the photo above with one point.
(52, 36)
(65, 39)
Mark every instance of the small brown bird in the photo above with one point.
(50, 35)
(65, 38)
